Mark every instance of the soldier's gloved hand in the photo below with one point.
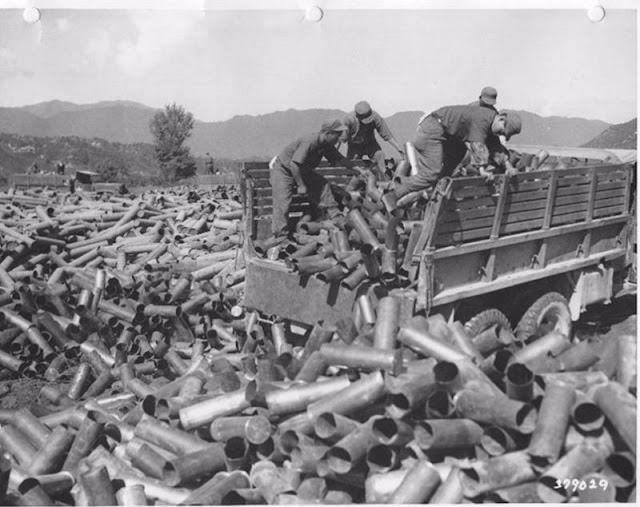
(510, 170)
(487, 175)
(302, 189)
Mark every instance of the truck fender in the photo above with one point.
(593, 285)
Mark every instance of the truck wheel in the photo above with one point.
(548, 313)
(485, 319)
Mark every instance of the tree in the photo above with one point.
(170, 129)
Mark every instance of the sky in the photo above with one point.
(223, 63)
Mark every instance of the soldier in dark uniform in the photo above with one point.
(361, 125)
(443, 139)
(488, 98)
(292, 171)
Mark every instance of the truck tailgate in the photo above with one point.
(275, 290)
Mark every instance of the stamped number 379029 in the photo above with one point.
(580, 485)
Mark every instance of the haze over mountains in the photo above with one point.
(246, 136)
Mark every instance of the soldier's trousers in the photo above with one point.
(283, 189)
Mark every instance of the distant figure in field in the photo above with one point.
(209, 164)
(60, 168)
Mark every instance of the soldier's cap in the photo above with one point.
(363, 111)
(512, 124)
(333, 126)
(489, 95)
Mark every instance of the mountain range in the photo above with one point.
(622, 136)
(243, 137)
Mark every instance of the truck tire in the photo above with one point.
(549, 312)
(485, 319)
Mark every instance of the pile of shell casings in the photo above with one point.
(99, 295)
(164, 390)
(363, 244)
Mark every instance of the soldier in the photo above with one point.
(292, 171)
(209, 164)
(488, 98)
(361, 125)
(499, 154)
(444, 137)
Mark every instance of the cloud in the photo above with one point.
(63, 25)
(9, 66)
(7, 56)
(161, 34)
(99, 49)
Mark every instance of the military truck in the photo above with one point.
(528, 252)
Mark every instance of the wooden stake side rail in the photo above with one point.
(262, 201)
(524, 228)
(471, 210)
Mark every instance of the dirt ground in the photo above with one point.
(618, 317)
(605, 321)
(21, 392)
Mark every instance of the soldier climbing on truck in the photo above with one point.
(293, 170)
(362, 124)
(442, 140)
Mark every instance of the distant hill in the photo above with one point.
(130, 163)
(244, 137)
(557, 130)
(257, 136)
(53, 107)
(623, 136)
(118, 121)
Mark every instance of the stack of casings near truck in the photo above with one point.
(433, 415)
(365, 244)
